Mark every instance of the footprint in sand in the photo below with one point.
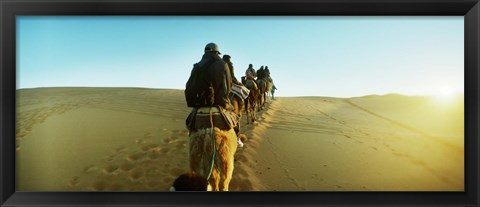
(152, 146)
(168, 180)
(99, 186)
(74, 180)
(178, 133)
(136, 156)
(181, 145)
(90, 168)
(147, 147)
(136, 174)
(148, 135)
(176, 171)
(152, 184)
(153, 155)
(121, 150)
(165, 150)
(166, 166)
(153, 171)
(166, 141)
(110, 169)
(155, 149)
(110, 158)
(127, 166)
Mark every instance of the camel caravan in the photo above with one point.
(261, 89)
(218, 101)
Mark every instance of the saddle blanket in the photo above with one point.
(240, 91)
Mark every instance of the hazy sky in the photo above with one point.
(307, 56)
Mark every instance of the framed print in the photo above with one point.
(308, 103)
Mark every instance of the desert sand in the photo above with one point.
(135, 139)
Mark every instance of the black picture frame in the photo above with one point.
(470, 9)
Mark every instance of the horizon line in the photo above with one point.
(287, 96)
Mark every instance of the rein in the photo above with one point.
(214, 145)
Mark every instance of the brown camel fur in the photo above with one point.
(201, 152)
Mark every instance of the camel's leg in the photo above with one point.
(215, 179)
(227, 151)
(229, 166)
(247, 104)
(259, 103)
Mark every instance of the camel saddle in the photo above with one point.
(199, 118)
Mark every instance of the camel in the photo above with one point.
(262, 86)
(212, 161)
(251, 101)
(238, 105)
(239, 94)
(268, 95)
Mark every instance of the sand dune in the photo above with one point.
(133, 139)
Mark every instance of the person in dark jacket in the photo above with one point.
(227, 59)
(267, 76)
(260, 73)
(218, 75)
(267, 72)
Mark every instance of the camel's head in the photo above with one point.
(191, 181)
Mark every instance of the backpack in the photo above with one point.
(199, 89)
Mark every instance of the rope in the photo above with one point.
(214, 145)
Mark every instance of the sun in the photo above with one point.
(445, 94)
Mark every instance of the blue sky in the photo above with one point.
(307, 56)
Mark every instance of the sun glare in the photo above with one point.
(445, 94)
